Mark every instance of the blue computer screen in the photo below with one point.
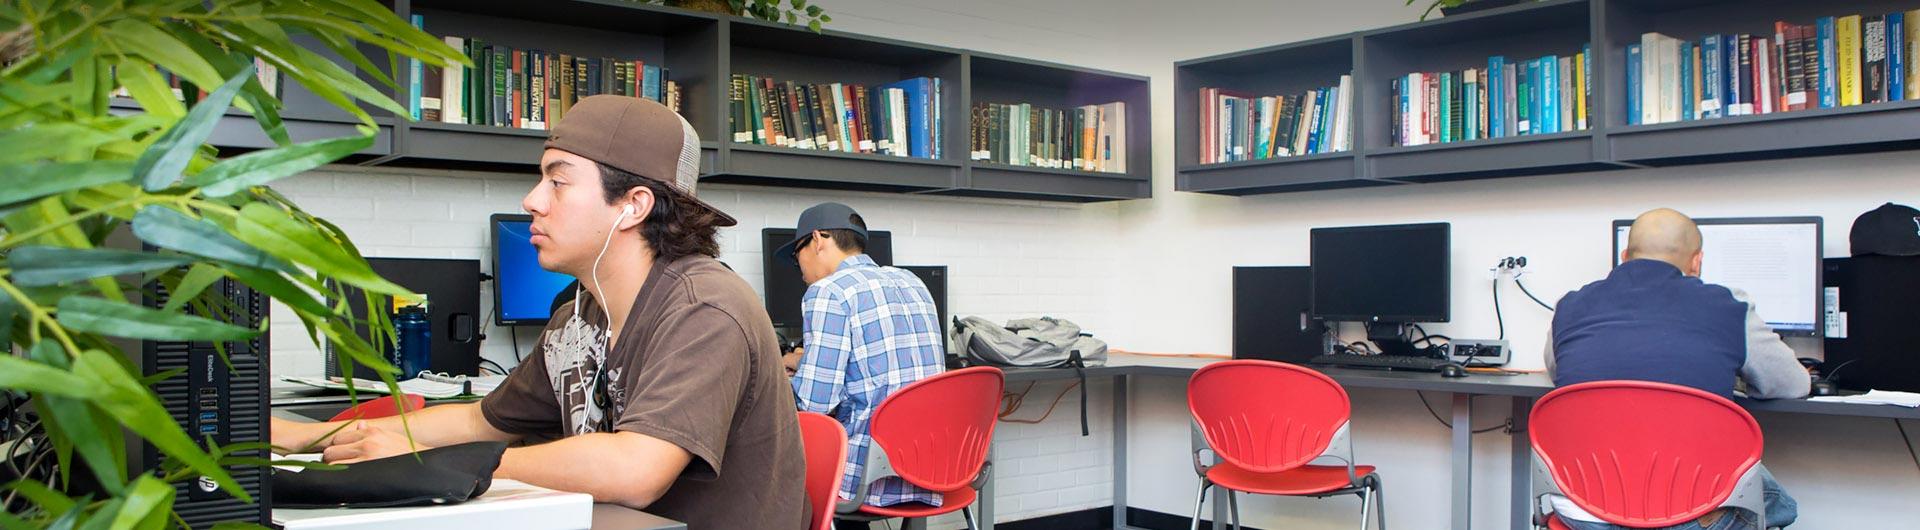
(523, 292)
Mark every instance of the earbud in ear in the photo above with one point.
(628, 209)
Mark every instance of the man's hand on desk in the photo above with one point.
(362, 441)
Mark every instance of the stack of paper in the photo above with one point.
(507, 504)
(1875, 397)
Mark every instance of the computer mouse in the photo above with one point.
(1823, 388)
(1453, 370)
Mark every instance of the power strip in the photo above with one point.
(1474, 352)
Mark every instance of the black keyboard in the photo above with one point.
(1386, 362)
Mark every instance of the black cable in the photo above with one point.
(1909, 441)
(1436, 414)
(1496, 310)
(513, 335)
(1536, 299)
(502, 370)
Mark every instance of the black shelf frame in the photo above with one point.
(702, 50)
(1558, 27)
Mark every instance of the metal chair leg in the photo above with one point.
(1379, 502)
(913, 524)
(1198, 501)
(967, 513)
(1233, 507)
(1366, 503)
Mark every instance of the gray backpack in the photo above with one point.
(1043, 342)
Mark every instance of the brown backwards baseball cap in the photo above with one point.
(638, 136)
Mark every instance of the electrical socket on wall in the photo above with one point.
(1512, 266)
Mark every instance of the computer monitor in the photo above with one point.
(522, 291)
(1385, 274)
(1776, 260)
(935, 277)
(783, 287)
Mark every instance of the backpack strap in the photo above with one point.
(1079, 369)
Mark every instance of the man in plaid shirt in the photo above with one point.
(868, 330)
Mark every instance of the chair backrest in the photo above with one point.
(936, 431)
(380, 407)
(825, 443)
(1643, 454)
(1266, 416)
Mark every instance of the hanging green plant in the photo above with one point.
(796, 12)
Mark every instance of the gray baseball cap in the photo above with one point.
(823, 216)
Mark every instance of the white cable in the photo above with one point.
(597, 289)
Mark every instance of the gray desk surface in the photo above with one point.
(617, 517)
(1530, 385)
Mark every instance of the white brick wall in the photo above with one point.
(1006, 259)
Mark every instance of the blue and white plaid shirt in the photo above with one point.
(869, 330)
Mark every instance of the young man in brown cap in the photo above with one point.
(668, 397)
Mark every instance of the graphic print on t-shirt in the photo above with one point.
(573, 354)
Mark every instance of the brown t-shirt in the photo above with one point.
(697, 365)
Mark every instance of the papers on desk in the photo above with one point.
(1875, 397)
(507, 504)
(427, 384)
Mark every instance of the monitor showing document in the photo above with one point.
(1776, 260)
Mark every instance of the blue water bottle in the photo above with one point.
(414, 330)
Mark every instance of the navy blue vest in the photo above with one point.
(1646, 321)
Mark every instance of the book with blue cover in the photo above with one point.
(1829, 54)
(1635, 78)
(1896, 57)
(1496, 96)
(1713, 78)
(1687, 99)
(919, 90)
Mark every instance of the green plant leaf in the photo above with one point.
(261, 167)
(138, 36)
(148, 496)
(21, 374)
(44, 265)
(276, 232)
(278, 288)
(74, 421)
(147, 87)
(50, 141)
(813, 11)
(120, 319)
(198, 278)
(8, 308)
(32, 181)
(162, 164)
(135, 407)
(48, 500)
(168, 228)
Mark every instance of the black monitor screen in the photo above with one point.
(522, 291)
(1391, 273)
(783, 285)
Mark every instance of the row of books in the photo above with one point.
(1834, 62)
(1085, 138)
(898, 119)
(265, 72)
(1236, 127)
(1544, 95)
(527, 89)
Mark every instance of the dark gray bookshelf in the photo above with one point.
(702, 51)
(1556, 27)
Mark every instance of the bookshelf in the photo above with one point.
(1554, 27)
(702, 51)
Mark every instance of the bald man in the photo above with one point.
(1652, 319)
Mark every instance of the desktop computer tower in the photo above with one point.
(452, 287)
(211, 399)
(935, 277)
(1878, 350)
(1272, 314)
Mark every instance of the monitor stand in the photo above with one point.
(1391, 338)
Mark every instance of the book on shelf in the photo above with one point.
(1235, 126)
(1541, 95)
(1083, 138)
(1834, 61)
(896, 119)
(527, 88)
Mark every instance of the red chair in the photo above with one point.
(380, 407)
(1644, 455)
(825, 442)
(1267, 422)
(933, 433)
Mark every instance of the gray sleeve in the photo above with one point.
(1771, 371)
(1546, 351)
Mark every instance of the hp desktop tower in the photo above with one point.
(1272, 314)
(212, 399)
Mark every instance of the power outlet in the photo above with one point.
(1474, 352)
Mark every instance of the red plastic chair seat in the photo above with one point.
(1304, 480)
(1554, 523)
(381, 407)
(950, 502)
